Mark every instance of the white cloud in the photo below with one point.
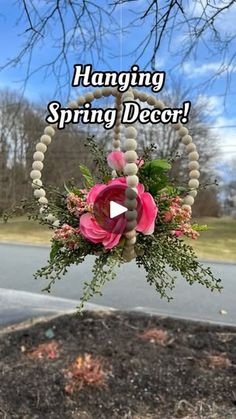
(212, 104)
(193, 70)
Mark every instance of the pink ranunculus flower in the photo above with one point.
(92, 231)
(116, 160)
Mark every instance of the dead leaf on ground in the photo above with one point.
(155, 335)
(86, 370)
(48, 350)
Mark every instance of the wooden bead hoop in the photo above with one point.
(130, 169)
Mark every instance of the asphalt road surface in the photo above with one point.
(129, 291)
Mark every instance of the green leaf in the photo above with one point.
(198, 227)
(68, 190)
(157, 166)
(54, 250)
(87, 176)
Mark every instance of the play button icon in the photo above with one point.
(116, 209)
(110, 210)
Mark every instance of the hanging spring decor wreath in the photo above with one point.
(155, 216)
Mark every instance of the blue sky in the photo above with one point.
(194, 73)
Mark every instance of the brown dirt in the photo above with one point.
(118, 365)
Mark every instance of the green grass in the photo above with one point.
(22, 230)
(217, 243)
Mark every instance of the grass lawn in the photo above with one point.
(22, 230)
(217, 243)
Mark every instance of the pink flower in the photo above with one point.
(116, 160)
(178, 233)
(67, 236)
(140, 162)
(77, 205)
(146, 223)
(92, 231)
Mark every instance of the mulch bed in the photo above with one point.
(118, 365)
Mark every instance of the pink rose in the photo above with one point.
(146, 223)
(116, 160)
(92, 231)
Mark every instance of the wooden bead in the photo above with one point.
(193, 165)
(131, 215)
(131, 203)
(81, 100)
(194, 174)
(130, 169)
(191, 147)
(130, 144)
(39, 193)
(117, 129)
(46, 139)
(56, 224)
(130, 234)
(43, 200)
(37, 183)
(131, 132)
(72, 105)
(49, 131)
(35, 174)
(89, 97)
(143, 96)
(177, 126)
(186, 139)
(132, 181)
(107, 91)
(159, 104)
(50, 218)
(189, 200)
(97, 94)
(41, 147)
(130, 242)
(193, 183)
(116, 144)
(130, 193)
(38, 155)
(130, 225)
(193, 156)
(151, 100)
(183, 131)
(37, 165)
(193, 193)
(129, 94)
(131, 156)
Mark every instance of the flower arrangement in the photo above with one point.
(153, 229)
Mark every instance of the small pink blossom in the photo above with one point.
(67, 236)
(77, 205)
(116, 160)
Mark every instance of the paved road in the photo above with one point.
(128, 292)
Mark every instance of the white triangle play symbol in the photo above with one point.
(116, 209)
